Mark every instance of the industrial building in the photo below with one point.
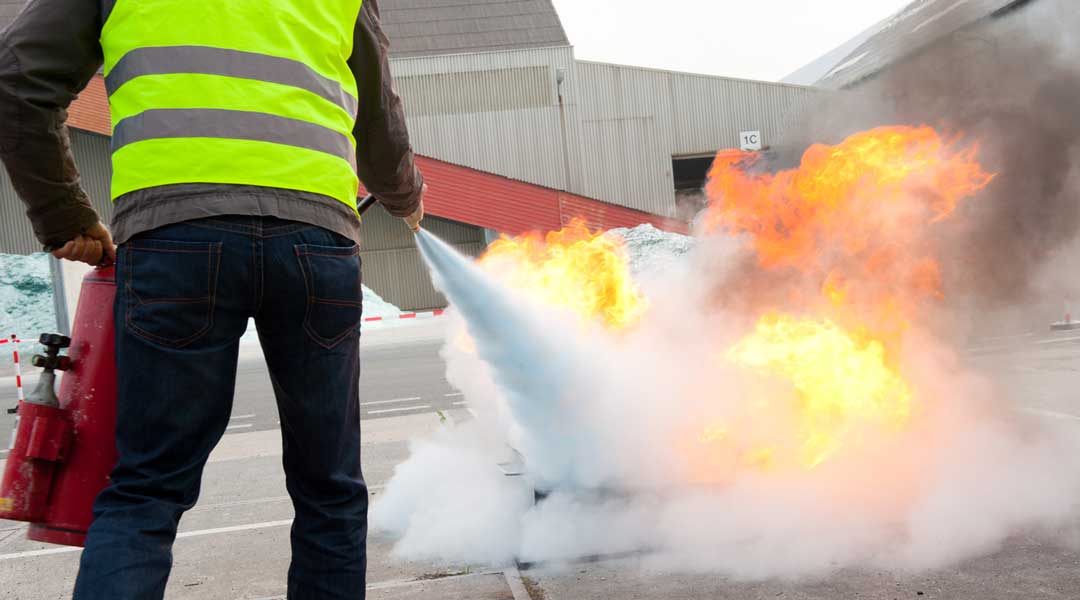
(901, 69)
(514, 134)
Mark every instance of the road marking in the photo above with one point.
(454, 395)
(517, 586)
(379, 402)
(241, 417)
(185, 534)
(402, 409)
(233, 529)
(33, 553)
(1008, 337)
(244, 426)
(462, 403)
(1050, 413)
(1059, 340)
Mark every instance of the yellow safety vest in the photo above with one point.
(250, 92)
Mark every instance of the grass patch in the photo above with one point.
(535, 591)
(444, 574)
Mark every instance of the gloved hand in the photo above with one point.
(93, 247)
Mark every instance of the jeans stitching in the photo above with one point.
(214, 249)
(328, 343)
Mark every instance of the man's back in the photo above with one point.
(312, 66)
(241, 132)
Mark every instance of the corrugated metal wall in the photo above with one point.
(635, 120)
(392, 264)
(497, 112)
(612, 136)
(92, 155)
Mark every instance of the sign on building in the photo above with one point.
(750, 140)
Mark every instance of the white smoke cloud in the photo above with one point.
(608, 423)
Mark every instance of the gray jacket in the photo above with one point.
(51, 51)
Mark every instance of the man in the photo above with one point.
(240, 130)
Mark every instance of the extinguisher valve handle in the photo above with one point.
(52, 360)
(55, 341)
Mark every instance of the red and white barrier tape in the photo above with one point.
(427, 315)
(18, 368)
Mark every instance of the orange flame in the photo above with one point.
(855, 221)
(854, 218)
(585, 271)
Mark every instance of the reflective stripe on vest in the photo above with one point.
(256, 93)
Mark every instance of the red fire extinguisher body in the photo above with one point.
(39, 445)
(63, 456)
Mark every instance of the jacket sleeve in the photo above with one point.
(47, 56)
(384, 157)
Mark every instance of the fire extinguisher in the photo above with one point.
(65, 446)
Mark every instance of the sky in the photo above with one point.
(753, 39)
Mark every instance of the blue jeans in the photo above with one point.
(184, 296)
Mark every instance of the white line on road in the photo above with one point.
(233, 529)
(34, 553)
(394, 410)
(185, 534)
(378, 402)
(1050, 413)
(244, 426)
(462, 403)
(241, 417)
(454, 395)
(1008, 337)
(1059, 340)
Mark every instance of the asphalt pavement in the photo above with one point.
(401, 374)
(234, 543)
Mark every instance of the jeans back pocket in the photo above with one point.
(171, 288)
(335, 296)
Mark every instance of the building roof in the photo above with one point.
(915, 27)
(430, 27)
(812, 72)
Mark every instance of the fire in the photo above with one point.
(841, 383)
(853, 219)
(854, 226)
(585, 271)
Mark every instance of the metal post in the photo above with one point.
(60, 305)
